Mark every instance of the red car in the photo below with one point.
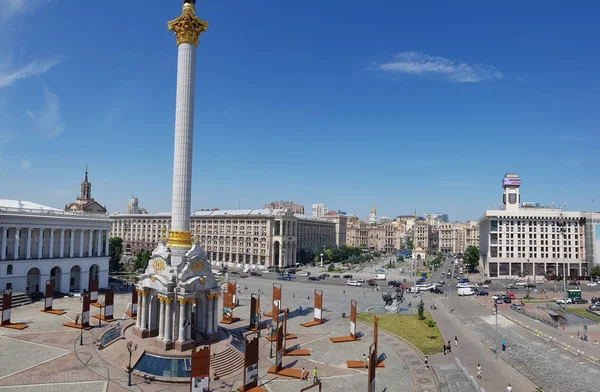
(371, 282)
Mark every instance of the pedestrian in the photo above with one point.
(308, 297)
(444, 349)
(293, 295)
(479, 371)
(304, 375)
(315, 377)
(503, 345)
(449, 347)
(509, 388)
(456, 341)
(426, 362)
(365, 360)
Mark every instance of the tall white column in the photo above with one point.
(188, 329)
(107, 242)
(161, 319)
(169, 320)
(138, 319)
(3, 244)
(215, 317)
(90, 251)
(144, 325)
(17, 240)
(40, 247)
(80, 243)
(72, 244)
(182, 311)
(98, 243)
(28, 248)
(51, 250)
(61, 253)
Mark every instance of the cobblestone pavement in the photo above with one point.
(544, 363)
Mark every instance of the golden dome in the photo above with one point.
(373, 211)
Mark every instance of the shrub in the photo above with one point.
(430, 323)
(421, 310)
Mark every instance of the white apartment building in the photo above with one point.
(527, 240)
(260, 237)
(319, 210)
(40, 244)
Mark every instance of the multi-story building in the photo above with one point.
(384, 219)
(341, 226)
(262, 237)
(357, 233)
(592, 237)
(319, 210)
(421, 235)
(279, 205)
(528, 240)
(40, 244)
(456, 237)
(134, 208)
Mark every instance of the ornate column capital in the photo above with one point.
(181, 239)
(182, 301)
(187, 27)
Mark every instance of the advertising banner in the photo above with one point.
(85, 311)
(318, 306)
(6, 304)
(254, 311)
(48, 296)
(353, 318)
(200, 370)
(250, 362)
(109, 301)
(93, 291)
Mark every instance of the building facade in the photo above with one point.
(260, 237)
(40, 244)
(134, 208)
(319, 210)
(528, 240)
(456, 237)
(280, 205)
(85, 202)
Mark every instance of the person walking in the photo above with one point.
(479, 371)
(304, 375)
(426, 362)
(365, 360)
(503, 345)
(456, 341)
(315, 377)
(445, 349)
(509, 388)
(449, 347)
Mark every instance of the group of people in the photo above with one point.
(448, 347)
(305, 375)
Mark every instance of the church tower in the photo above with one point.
(86, 188)
(373, 216)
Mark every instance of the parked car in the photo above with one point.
(347, 276)
(284, 277)
(313, 278)
(436, 290)
(499, 300)
(512, 287)
(351, 282)
(255, 273)
(506, 300)
(361, 280)
(305, 273)
(573, 283)
(75, 293)
(592, 284)
(522, 283)
(371, 282)
(561, 301)
(595, 300)
(394, 283)
(579, 301)
(336, 276)
(441, 282)
(530, 286)
(487, 281)
(595, 307)
(483, 293)
(326, 275)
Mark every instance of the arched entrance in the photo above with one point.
(75, 278)
(55, 278)
(94, 272)
(276, 250)
(33, 281)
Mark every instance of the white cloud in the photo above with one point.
(416, 63)
(36, 67)
(10, 8)
(49, 121)
(25, 164)
(30, 113)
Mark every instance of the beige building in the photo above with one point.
(280, 205)
(421, 235)
(456, 237)
(261, 237)
(383, 238)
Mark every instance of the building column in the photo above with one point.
(81, 243)
(181, 319)
(144, 323)
(107, 242)
(3, 244)
(16, 247)
(138, 319)
(215, 316)
(280, 261)
(188, 329)
(161, 319)
(51, 250)
(72, 243)
(99, 243)
(65, 281)
(28, 248)
(169, 320)
(90, 251)
(209, 319)
(40, 247)
(61, 252)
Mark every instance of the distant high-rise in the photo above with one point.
(439, 216)
(279, 205)
(133, 207)
(319, 210)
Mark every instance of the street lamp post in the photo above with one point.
(322, 259)
(131, 348)
(497, 339)
(81, 331)
(271, 350)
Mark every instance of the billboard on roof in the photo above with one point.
(511, 181)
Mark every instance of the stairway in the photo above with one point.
(227, 362)
(19, 299)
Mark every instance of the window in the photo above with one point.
(9, 269)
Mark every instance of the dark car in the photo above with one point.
(436, 290)
(579, 301)
(530, 286)
(347, 276)
(335, 276)
(313, 278)
(284, 277)
(394, 283)
(254, 273)
(512, 287)
(487, 281)
(506, 300)
(372, 282)
(483, 293)
(573, 283)
(595, 300)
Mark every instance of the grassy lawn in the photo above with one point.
(428, 340)
(583, 312)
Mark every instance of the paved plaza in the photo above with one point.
(47, 356)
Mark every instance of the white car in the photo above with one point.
(521, 283)
(305, 273)
(561, 301)
(486, 286)
(353, 283)
(592, 284)
(361, 280)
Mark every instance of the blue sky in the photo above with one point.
(405, 105)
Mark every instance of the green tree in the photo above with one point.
(471, 257)
(115, 250)
(421, 310)
(141, 260)
(595, 272)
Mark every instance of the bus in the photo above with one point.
(574, 293)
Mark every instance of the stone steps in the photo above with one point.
(19, 299)
(227, 362)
